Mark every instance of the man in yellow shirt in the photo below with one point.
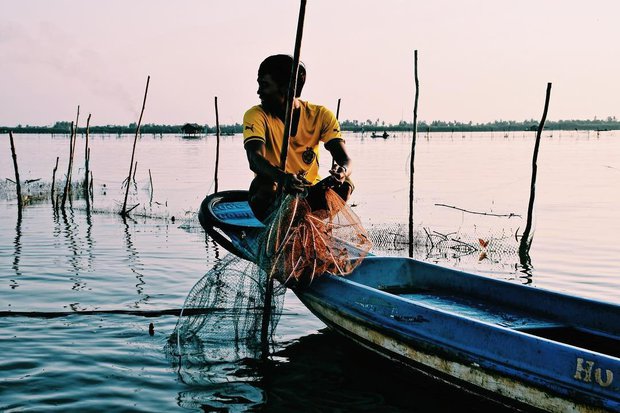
(263, 133)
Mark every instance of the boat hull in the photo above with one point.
(507, 342)
(466, 376)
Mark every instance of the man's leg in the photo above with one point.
(262, 197)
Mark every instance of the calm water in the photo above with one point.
(78, 290)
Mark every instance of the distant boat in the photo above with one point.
(384, 135)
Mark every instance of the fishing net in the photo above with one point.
(222, 315)
(300, 244)
(221, 318)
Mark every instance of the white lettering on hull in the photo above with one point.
(583, 372)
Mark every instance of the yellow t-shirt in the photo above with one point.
(316, 124)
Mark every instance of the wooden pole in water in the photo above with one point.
(124, 211)
(151, 182)
(86, 158)
(411, 162)
(292, 87)
(18, 185)
(75, 132)
(65, 192)
(54, 182)
(526, 238)
(217, 147)
(86, 186)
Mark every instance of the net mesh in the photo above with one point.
(222, 315)
(300, 244)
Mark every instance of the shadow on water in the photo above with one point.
(320, 372)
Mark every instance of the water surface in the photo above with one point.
(79, 289)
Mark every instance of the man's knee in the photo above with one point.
(262, 196)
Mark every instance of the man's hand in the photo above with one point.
(339, 173)
(293, 184)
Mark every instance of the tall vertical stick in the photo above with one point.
(526, 238)
(75, 132)
(337, 117)
(217, 147)
(133, 151)
(151, 182)
(86, 158)
(65, 192)
(292, 85)
(411, 162)
(292, 88)
(54, 182)
(338, 109)
(19, 187)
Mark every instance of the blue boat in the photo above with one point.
(518, 345)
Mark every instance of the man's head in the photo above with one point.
(273, 78)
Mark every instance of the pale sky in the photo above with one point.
(478, 60)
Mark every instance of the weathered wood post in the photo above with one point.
(526, 238)
(17, 183)
(65, 192)
(54, 183)
(217, 147)
(411, 162)
(124, 211)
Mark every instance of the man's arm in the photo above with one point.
(343, 163)
(255, 150)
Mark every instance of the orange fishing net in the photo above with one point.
(299, 244)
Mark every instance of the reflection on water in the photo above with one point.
(18, 250)
(320, 373)
(133, 261)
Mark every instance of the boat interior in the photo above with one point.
(526, 309)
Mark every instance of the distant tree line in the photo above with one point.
(610, 123)
(149, 128)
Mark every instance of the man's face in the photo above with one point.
(271, 97)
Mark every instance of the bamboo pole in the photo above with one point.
(90, 187)
(292, 85)
(124, 211)
(65, 192)
(337, 117)
(292, 88)
(135, 169)
(86, 158)
(75, 132)
(17, 184)
(151, 182)
(85, 184)
(411, 162)
(526, 238)
(338, 109)
(54, 182)
(217, 147)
